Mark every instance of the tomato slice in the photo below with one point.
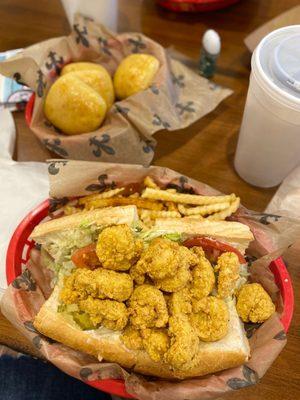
(213, 248)
(86, 257)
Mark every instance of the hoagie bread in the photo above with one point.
(106, 344)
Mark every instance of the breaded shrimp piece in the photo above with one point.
(176, 282)
(203, 277)
(99, 283)
(166, 263)
(157, 260)
(156, 343)
(198, 251)
(183, 343)
(254, 304)
(117, 248)
(132, 338)
(70, 295)
(228, 267)
(210, 318)
(180, 302)
(109, 313)
(162, 259)
(148, 308)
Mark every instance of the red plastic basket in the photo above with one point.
(195, 5)
(18, 253)
(29, 109)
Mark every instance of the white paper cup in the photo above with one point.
(269, 141)
(102, 11)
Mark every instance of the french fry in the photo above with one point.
(159, 214)
(104, 195)
(171, 190)
(134, 195)
(203, 210)
(122, 201)
(197, 217)
(164, 195)
(225, 213)
(145, 218)
(149, 182)
(171, 206)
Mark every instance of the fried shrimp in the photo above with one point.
(132, 338)
(176, 282)
(210, 318)
(203, 277)
(148, 308)
(166, 263)
(228, 267)
(70, 295)
(183, 343)
(111, 314)
(99, 283)
(254, 304)
(180, 302)
(117, 248)
(156, 343)
(158, 261)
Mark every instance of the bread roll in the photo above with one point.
(94, 75)
(82, 66)
(106, 345)
(234, 233)
(73, 106)
(134, 74)
(105, 216)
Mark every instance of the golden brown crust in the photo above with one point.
(229, 352)
(106, 216)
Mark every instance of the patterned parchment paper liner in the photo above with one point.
(177, 98)
(274, 235)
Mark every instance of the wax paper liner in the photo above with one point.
(177, 98)
(274, 236)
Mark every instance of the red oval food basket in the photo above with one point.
(195, 5)
(18, 254)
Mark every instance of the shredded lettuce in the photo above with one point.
(85, 224)
(152, 234)
(61, 245)
(244, 274)
(175, 237)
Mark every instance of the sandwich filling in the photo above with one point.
(166, 293)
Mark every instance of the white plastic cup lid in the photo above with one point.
(286, 62)
(276, 63)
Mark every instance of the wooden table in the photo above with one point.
(204, 151)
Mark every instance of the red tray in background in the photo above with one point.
(195, 5)
(18, 253)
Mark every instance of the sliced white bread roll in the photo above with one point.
(106, 344)
(234, 233)
(100, 217)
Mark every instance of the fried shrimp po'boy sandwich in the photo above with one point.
(169, 301)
